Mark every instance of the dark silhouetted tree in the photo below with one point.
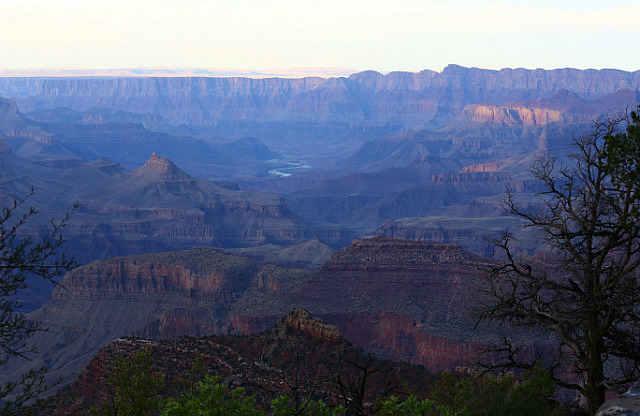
(23, 256)
(356, 369)
(585, 291)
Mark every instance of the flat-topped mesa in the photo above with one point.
(301, 320)
(400, 299)
(380, 253)
(163, 168)
(184, 276)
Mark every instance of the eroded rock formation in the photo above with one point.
(398, 299)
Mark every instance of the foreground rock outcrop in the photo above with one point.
(266, 365)
(628, 404)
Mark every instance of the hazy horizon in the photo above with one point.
(229, 72)
(354, 35)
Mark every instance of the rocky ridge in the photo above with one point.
(301, 320)
(264, 364)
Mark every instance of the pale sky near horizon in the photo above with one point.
(353, 35)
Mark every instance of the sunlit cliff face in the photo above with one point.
(504, 115)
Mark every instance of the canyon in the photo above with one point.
(292, 115)
(429, 148)
(155, 207)
(374, 147)
(397, 299)
(187, 225)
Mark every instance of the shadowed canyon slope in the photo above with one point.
(398, 299)
(267, 364)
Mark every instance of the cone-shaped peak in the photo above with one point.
(164, 168)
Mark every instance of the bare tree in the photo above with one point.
(585, 291)
(20, 257)
(296, 372)
(356, 370)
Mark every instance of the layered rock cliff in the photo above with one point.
(399, 97)
(398, 299)
(563, 107)
(159, 295)
(512, 115)
(472, 234)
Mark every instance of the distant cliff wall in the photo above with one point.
(402, 98)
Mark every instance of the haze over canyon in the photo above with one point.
(212, 206)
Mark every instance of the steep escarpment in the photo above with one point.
(514, 115)
(156, 295)
(198, 274)
(394, 276)
(366, 96)
(13, 123)
(9, 114)
(563, 107)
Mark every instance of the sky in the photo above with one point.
(317, 36)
